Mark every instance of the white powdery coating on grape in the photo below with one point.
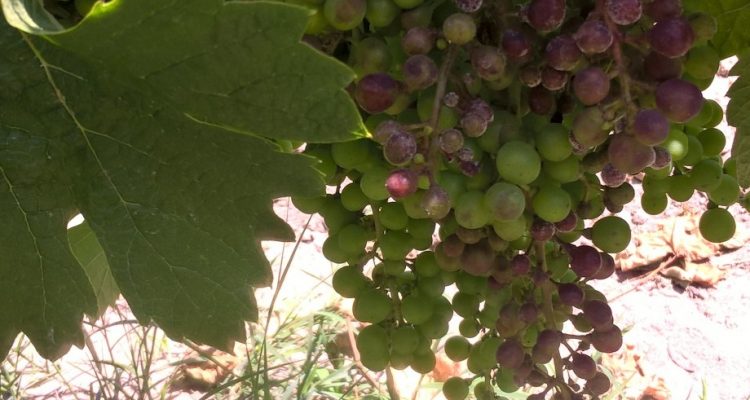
(468, 6)
(624, 12)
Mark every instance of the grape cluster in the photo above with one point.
(512, 128)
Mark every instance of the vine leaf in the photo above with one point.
(732, 17)
(153, 120)
(738, 115)
(89, 253)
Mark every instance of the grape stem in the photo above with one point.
(437, 103)
(622, 70)
(391, 384)
(550, 317)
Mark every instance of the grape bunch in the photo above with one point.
(511, 128)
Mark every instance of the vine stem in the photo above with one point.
(550, 317)
(431, 128)
(391, 384)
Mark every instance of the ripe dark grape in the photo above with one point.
(583, 365)
(451, 140)
(607, 268)
(568, 224)
(542, 231)
(598, 384)
(545, 15)
(679, 100)
(401, 183)
(520, 264)
(515, 44)
(606, 341)
(662, 158)
(541, 100)
(530, 75)
(528, 312)
(570, 294)
(418, 40)
(650, 127)
(611, 176)
(510, 354)
(562, 53)
(593, 37)
(671, 37)
(482, 108)
(585, 260)
(419, 72)
(598, 314)
(376, 92)
(453, 246)
(663, 9)
(624, 12)
(553, 79)
(478, 259)
(400, 148)
(591, 85)
(629, 155)
(488, 62)
(661, 68)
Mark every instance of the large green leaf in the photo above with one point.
(738, 115)
(89, 253)
(151, 119)
(733, 18)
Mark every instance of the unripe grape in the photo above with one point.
(727, 192)
(505, 201)
(611, 234)
(416, 309)
(459, 28)
(436, 202)
(473, 124)
(593, 37)
(588, 128)
(542, 231)
(562, 53)
(371, 305)
(568, 224)
(457, 348)
(344, 15)
(611, 176)
(706, 175)
(629, 155)
(545, 15)
(488, 62)
(671, 37)
(598, 384)
(451, 140)
(551, 204)
(515, 44)
(376, 92)
(704, 26)
(455, 388)
(678, 100)
(591, 85)
(624, 12)
(420, 72)
(400, 148)
(418, 40)
(401, 183)
(717, 225)
(518, 162)
(423, 361)
(381, 13)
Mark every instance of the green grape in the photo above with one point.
(453, 183)
(680, 188)
(309, 205)
(551, 204)
(348, 281)
(702, 62)
(421, 228)
(565, 171)
(352, 197)
(449, 264)
(654, 203)
(713, 141)
(518, 162)
(352, 154)
(470, 284)
(400, 361)
(468, 327)
(489, 142)
(727, 192)
(694, 152)
(373, 183)
(434, 328)
(448, 117)
(426, 265)
(333, 252)
(621, 195)
(381, 13)
(487, 349)
(653, 184)
(470, 210)
(372, 344)
(717, 113)
(553, 143)
(488, 316)
(413, 205)
(475, 363)
(393, 267)
(676, 144)
(395, 245)
(521, 243)
(459, 28)
(611, 234)
(393, 216)
(730, 166)
(717, 225)
(465, 305)
(423, 362)
(706, 175)
(569, 237)
(529, 336)
(511, 230)
(486, 176)
(371, 55)
(335, 215)
(326, 165)
(353, 239)
(416, 309)
(371, 305)
(431, 286)
(504, 380)
(457, 348)
(505, 201)
(483, 391)
(344, 15)
(404, 339)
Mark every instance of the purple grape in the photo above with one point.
(568, 224)
(468, 6)
(598, 314)
(542, 231)
(679, 100)
(418, 40)
(478, 259)
(481, 107)
(401, 183)
(515, 44)
(400, 148)
(606, 341)
(453, 246)
(473, 124)
(549, 340)
(465, 154)
(385, 129)
(591, 85)
(536, 379)
(436, 202)
(528, 313)
(598, 384)
(662, 159)
(420, 72)
(629, 155)
(451, 140)
(562, 53)
(570, 294)
(376, 92)
(520, 264)
(488, 62)
(612, 177)
(650, 127)
(593, 37)
(553, 79)
(469, 168)
(671, 37)
(583, 365)
(451, 99)
(585, 260)
(663, 9)
(588, 128)
(530, 76)
(607, 268)
(541, 101)
(624, 12)
(661, 68)
(545, 15)
(510, 354)
(470, 236)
